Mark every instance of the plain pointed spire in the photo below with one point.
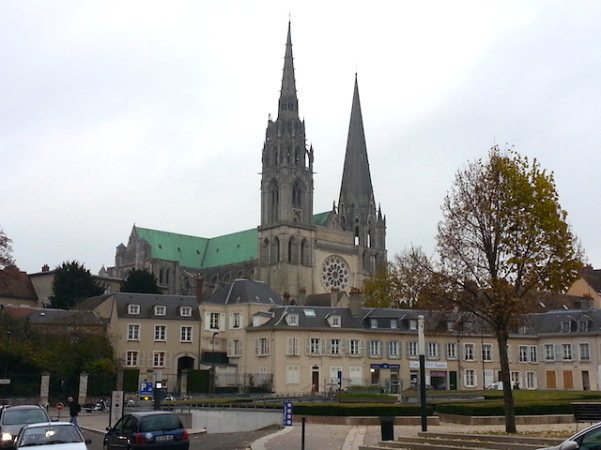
(356, 178)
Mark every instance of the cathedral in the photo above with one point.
(294, 250)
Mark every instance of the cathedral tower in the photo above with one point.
(286, 192)
(357, 206)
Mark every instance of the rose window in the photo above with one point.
(335, 273)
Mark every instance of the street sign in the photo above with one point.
(59, 406)
(4, 380)
(146, 389)
(287, 414)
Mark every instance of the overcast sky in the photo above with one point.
(115, 113)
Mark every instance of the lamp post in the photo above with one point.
(421, 343)
(8, 335)
(212, 384)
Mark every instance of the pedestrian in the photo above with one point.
(74, 410)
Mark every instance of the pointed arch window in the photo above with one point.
(274, 201)
(357, 240)
(305, 254)
(275, 251)
(297, 195)
(292, 251)
(297, 156)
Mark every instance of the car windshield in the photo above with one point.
(48, 435)
(160, 423)
(23, 416)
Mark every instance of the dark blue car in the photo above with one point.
(147, 430)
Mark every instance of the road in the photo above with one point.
(216, 441)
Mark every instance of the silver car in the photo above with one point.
(587, 439)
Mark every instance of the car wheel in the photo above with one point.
(106, 446)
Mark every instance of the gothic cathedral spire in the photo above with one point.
(287, 173)
(356, 205)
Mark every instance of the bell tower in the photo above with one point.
(285, 254)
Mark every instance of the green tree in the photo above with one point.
(141, 281)
(502, 241)
(5, 250)
(72, 283)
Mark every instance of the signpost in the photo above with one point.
(59, 406)
(116, 410)
(146, 390)
(287, 414)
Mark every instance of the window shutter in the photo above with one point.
(207, 320)
(267, 346)
(257, 346)
(231, 321)
(167, 359)
(307, 346)
(229, 347)
(222, 321)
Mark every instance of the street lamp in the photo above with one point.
(8, 335)
(422, 370)
(212, 384)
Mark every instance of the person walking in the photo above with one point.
(74, 410)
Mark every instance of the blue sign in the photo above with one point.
(385, 366)
(146, 389)
(339, 379)
(287, 414)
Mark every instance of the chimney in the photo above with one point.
(198, 288)
(286, 298)
(354, 303)
(302, 296)
(333, 297)
(45, 268)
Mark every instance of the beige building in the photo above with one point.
(257, 341)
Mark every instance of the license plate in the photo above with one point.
(165, 437)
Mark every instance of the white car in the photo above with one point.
(52, 436)
(587, 439)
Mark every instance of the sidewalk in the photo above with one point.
(347, 437)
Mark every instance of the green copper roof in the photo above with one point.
(202, 253)
(321, 218)
(188, 250)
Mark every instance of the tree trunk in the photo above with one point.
(510, 426)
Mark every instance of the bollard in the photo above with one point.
(387, 428)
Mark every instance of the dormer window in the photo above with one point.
(394, 324)
(133, 309)
(522, 330)
(293, 320)
(413, 324)
(335, 321)
(373, 323)
(160, 310)
(582, 325)
(565, 326)
(185, 311)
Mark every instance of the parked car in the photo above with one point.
(144, 430)
(589, 438)
(14, 417)
(52, 436)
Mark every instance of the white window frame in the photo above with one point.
(293, 320)
(185, 311)
(566, 352)
(432, 350)
(393, 349)
(133, 309)
(470, 378)
(487, 352)
(314, 347)
(292, 347)
(354, 347)
(533, 353)
(160, 310)
(292, 374)
(133, 332)
(468, 351)
(451, 350)
(523, 353)
(132, 358)
(584, 351)
(234, 348)
(160, 333)
(375, 348)
(185, 334)
(262, 347)
(159, 359)
(530, 380)
(214, 320)
(412, 350)
(335, 347)
(549, 352)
